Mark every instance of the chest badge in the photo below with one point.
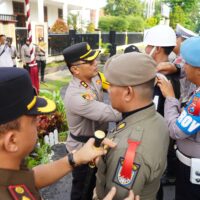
(20, 192)
(125, 182)
(121, 126)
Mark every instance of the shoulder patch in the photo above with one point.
(20, 192)
(121, 126)
(121, 181)
(84, 84)
(88, 96)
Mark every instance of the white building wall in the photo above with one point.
(6, 7)
(34, 11)
(52, 14)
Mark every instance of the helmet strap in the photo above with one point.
(152, 51)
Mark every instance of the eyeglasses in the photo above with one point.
(90, 62)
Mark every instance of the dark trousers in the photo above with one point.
(185, 190)
(41, 66)
(78, 183)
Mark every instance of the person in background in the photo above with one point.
(14, 53)
(41, 57)
(5, 53)
(184, 124)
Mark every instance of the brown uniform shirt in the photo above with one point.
(148, 127)
(17, 177)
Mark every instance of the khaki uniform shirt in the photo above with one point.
(17, 177)
(86, 111)
(40, 51)
(148, 127)
(25, 53)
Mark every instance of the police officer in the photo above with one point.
(86, 111)
(184, 127)
(41, 57)
(26, 55)
(160, 40)
(18, 136)
(139, 160)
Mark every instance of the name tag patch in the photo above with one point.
(124, 182)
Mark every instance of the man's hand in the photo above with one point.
(89, 152)
(166, 68)
(165, 87)
(112, 193)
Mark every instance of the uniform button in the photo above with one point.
(197, 180)
(197, 173)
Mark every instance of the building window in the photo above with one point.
(45, 14)
(18, 10)
(60, 13)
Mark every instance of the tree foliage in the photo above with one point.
(124, 7)
(187, 10)
(150, 22)
(120, 23)
(177, 16)
(90, 28)
(59, 27)
(72, 20)
(135, 23)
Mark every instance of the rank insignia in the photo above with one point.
(98, 82)
(125, 182)
(20, 192)
(88, 96)
(121, 126)
(84, 84)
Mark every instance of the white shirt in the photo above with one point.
(6, 56)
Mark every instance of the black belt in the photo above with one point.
(80, 138)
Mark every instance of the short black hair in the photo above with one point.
(168, 50)
(1, 35)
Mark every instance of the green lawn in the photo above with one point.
(55, 84)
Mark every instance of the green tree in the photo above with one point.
(188, 10)
(135, 23)
(108, 23)
(186, 5)
(124, 7)
(72, 20)
(177, 16)
(150, 22)
(90, 28)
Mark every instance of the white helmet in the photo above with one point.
(160, 36)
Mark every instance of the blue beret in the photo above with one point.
(190, 51)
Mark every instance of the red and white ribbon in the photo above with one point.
(33, 63)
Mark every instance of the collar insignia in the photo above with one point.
(84, 84)
(121, 126)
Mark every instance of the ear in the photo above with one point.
(158, 50)
(75, 70)
(129, 94)
(10, 142)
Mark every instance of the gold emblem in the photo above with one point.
(121, 126)
(19, 190)
(25, 198)
(88, 47)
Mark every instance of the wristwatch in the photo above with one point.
(71, 161)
